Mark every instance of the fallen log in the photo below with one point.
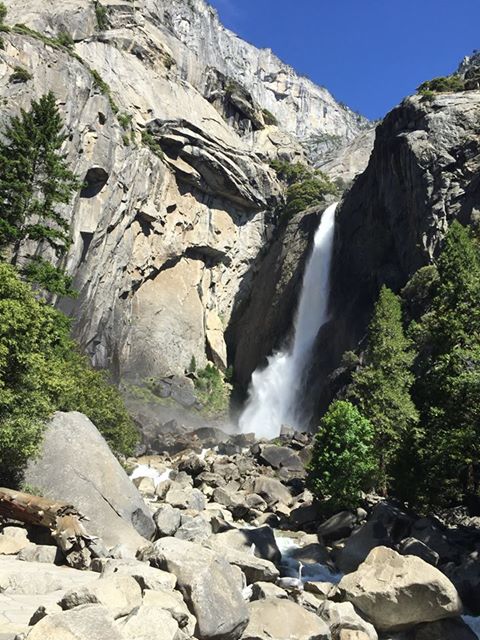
(63, 520)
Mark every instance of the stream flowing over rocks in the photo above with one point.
(239, 549)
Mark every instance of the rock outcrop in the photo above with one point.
(423, 173)
(172, 139)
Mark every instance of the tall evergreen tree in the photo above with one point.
(382, 387)
(448, 374)
(34, 181)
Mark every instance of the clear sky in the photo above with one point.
(368, 53)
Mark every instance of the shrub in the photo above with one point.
(290, 172)
(342, 460)
(307, 193)
(20, 74)
(41, 371)
(125, 120)
(168, 60)
(3, 12)
(150, 142)
(213, 391)
(269, 118)
(103, 86)
(101, 14)
(64, 39)
(443, 84)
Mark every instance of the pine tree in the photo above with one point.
(382, 387)
(34, 181)
(448, 379)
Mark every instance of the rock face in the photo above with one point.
(423, 173)
(303, 109)
(397, 592)
(172, 140)
(75, 465)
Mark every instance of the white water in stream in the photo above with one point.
(275, 391)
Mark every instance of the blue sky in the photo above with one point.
(368, 53)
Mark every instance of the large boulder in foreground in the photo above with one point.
(283, 620)
(75, 465)
(210, 586)
(396, 592)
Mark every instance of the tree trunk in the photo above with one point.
(64, 521)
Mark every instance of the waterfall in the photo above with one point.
(275, 391)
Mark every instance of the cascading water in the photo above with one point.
(275, 391)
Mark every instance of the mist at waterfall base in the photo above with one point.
(275, 392)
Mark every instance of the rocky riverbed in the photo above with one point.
(222, 541)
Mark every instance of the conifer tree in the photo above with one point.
(448, 379)
(34, 181)
(382, 387)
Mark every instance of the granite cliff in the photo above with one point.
(172, 123)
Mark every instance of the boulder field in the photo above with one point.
(231, 545)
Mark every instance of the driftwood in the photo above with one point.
(64, 521)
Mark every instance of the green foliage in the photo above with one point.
(105, 89)
(62, 41)
(232, 87)
(443, 84)
(447, 389)
(3, 12)
(53, 280)
(382, 387)
(41, 371)
(168, 60)
(305, 187)
(193, 365)
(213, 391)
(307, 193)
(65, 39)
(290, 172)
(269, 118)
(20, 74)
(343, 461)
(427, 95)
(34, 181)
(101, 14)
(419, 290)
(125, 120)
(150, 142)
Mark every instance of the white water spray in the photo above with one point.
(274, 392)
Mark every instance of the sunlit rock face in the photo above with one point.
(168, 228)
